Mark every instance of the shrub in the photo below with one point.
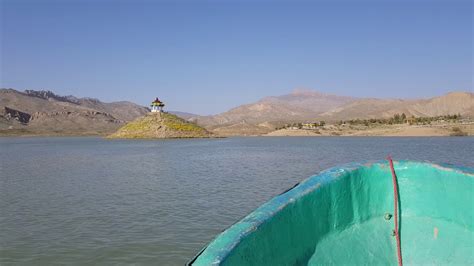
(457, 132)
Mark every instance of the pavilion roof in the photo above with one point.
(157, 100)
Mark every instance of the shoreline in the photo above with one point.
(237, 136)
(399, 130)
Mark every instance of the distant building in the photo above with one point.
(411, 120)
(157, 106)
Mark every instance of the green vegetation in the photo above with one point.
(457, 132)
(395, 119)
(303, 125)
(402, 119)
(137, 125)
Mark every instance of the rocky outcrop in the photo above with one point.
(21, 117)
(49, 95)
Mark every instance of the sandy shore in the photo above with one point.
(383, 130)
(294, 133)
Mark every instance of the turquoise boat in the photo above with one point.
(346, 215)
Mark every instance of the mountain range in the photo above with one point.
(311, 106)
(44, 112)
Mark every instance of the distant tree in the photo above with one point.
(396, 119)
(322, 123)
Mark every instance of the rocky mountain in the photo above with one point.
(160, 125)
(44, 112)
(306, 106)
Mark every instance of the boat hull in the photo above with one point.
(341, 216)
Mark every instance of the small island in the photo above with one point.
(158, 124)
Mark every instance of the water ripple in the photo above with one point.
(89, 200)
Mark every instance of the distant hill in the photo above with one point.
(184, 115)
(44, 112)
(297, 106)
(305, 106)
(451, 103)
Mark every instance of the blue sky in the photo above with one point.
(208, 56)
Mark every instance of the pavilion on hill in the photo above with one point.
(157, 106)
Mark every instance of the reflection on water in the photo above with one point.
(89, 200)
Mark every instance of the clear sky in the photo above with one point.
(208, 56)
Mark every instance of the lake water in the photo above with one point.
(95, 201)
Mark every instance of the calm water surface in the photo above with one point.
(95, 201)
